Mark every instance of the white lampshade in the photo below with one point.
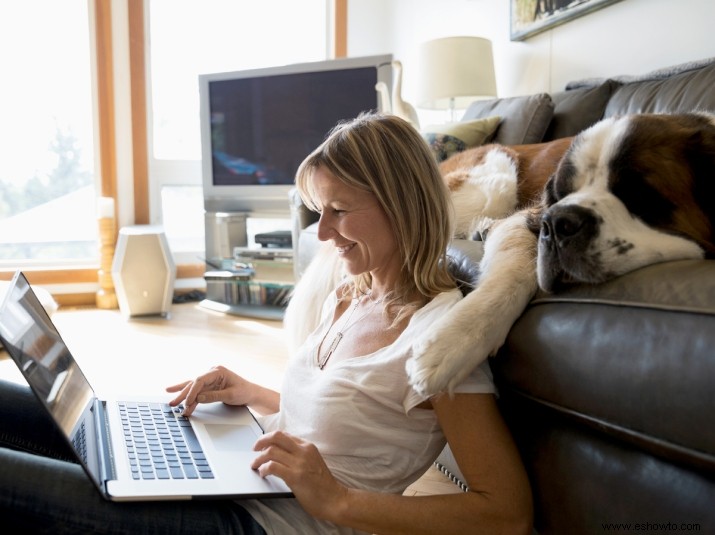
(454, 71)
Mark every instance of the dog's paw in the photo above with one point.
(480, 228)
(439, 364)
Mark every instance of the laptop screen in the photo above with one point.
(43, 358)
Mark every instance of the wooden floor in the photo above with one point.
(144, 355)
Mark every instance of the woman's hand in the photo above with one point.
(218, 384)
(301, 466)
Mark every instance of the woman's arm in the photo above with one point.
(221, 384)
(499, 499)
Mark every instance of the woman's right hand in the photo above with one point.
(218, 384)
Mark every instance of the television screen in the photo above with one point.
(262, 128)
(257, 126)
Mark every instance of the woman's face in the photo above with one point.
(357, 226)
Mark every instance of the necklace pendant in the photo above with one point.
(339, 336)
(331, 349)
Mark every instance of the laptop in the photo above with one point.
(132, 449)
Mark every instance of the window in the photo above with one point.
(225, 35)
(188, 38)
(47, 178)
(48, 182)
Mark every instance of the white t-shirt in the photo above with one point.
(362, 415)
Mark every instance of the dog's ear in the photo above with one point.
(700, 148)
(701, 158)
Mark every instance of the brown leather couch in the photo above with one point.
(609, 390)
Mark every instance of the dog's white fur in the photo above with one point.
(478, 325)
(488, 194)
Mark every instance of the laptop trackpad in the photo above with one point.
(231, 437)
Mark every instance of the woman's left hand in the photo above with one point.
(301, 466)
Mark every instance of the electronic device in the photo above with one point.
(205, 456)
(143, 271)
(258, 125)
(277, 238)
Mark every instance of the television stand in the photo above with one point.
(256, 286)
(252, 311)
(248, 277)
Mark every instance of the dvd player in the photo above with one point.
(277, 238)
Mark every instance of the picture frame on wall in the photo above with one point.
(530, 17)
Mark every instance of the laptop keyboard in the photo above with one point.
(161, 444)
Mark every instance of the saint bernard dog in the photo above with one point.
(625, 193)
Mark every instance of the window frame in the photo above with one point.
(79, 283)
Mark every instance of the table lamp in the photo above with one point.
(454, 71)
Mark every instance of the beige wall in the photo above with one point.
(628, 37)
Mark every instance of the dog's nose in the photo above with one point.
(565, 223)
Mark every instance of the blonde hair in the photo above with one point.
(386, 156)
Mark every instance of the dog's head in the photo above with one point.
(631, 191)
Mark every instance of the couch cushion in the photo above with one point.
(632, 357)
(525, 119)
(577, 109)
(450, 138)
(584, 480)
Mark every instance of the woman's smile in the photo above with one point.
(345, 249)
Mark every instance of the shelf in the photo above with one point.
(248, 292)
(247, 279)
(241, 294)
(264, 312)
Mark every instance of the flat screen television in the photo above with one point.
(258, 125)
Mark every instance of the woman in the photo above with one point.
(347, 433)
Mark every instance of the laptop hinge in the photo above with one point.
(106, 455)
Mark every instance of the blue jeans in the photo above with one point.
(43, 490)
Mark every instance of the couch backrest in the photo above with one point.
(686, 88)
(544, 117)
(681, 88)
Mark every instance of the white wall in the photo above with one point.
(628, 37)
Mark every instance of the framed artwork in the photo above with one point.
(529, 17)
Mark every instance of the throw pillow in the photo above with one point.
(448, 139)
(525, 119)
